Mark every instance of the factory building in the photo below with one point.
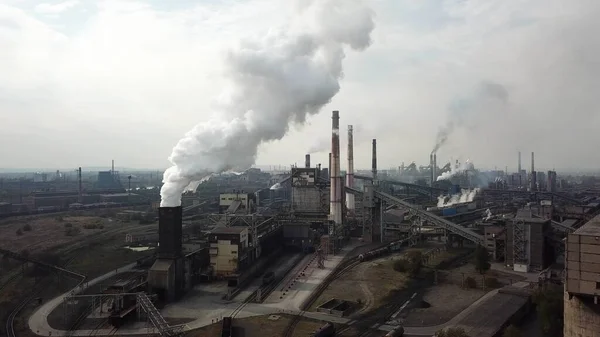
(236, 202)
(228, 250)
(526, 243)
(166, 278)
(582, 287)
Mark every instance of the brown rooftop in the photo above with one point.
(590, 228)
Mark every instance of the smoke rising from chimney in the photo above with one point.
(273, 82)
(487, 93)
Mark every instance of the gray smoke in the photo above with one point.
(462, 110)
(273, 81)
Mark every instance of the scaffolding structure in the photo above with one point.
(520, 242)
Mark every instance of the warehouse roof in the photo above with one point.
(488, 317)
(590, 228)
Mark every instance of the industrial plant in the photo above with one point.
(274, 244)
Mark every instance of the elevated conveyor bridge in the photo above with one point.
(433, 219)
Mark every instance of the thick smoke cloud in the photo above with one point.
(463, 110)
(273, 81)
(466, 166)
(464, 196)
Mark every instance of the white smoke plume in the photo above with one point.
(321, 145)
(463, 110)
(464, 196)
(274, 81)
(277, 186)
(466, 166)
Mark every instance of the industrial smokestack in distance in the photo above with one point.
(350, 174)
(307, 161)
(335, 181)
(532, 161)
(374, 160)
(519, 168)
(434, 167)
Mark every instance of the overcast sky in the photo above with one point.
(84, 82)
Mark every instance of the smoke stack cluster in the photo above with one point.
(350, 174)
(307, 161)
(374, 160)
(335, 209)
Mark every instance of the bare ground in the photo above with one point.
(368, 284)
(446, 301)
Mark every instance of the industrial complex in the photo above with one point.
(309, 250)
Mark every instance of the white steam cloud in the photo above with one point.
(466, 166)
(321, 145)
(274, 81)
(464, 196)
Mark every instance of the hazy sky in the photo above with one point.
(84, 82)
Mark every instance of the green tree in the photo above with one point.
(549, 307)
(415, 262)
(452, 332)
(512, 331)
(482, 259)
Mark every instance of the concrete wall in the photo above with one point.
(582, 317)
(225, 262)
(583, 265)
(309, 199)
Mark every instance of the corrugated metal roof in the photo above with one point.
(161, 265)
(488, 317)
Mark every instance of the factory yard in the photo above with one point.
(40, 233)
(439, 304)
(367, 285)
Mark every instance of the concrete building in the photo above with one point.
(166, 277)
(228, 250)
(582, 286)
(309, 194)
(526, 244)
(236, 202)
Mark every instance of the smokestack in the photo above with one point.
(434, 166)
(335, 181)
(307, 161)
(80, 186)
(519, 167)
(112, 171)
(169, 232)
(533, 179)
(329, 167)
(532, 162)
(350, 173)
(374, 160)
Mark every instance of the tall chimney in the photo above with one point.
(532, 162)
(335, 181)
(434, 167)
(112, 171)
(374, 160)
(533, 178)
(329, 167)
(307, 161)
(350, 173)
(431, 167)
(519, 167)
(80, 186)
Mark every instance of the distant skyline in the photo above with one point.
(88, 81)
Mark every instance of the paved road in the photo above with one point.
(38, 322)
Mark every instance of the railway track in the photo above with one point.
(10, 322)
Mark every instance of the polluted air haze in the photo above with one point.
(274, 81)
